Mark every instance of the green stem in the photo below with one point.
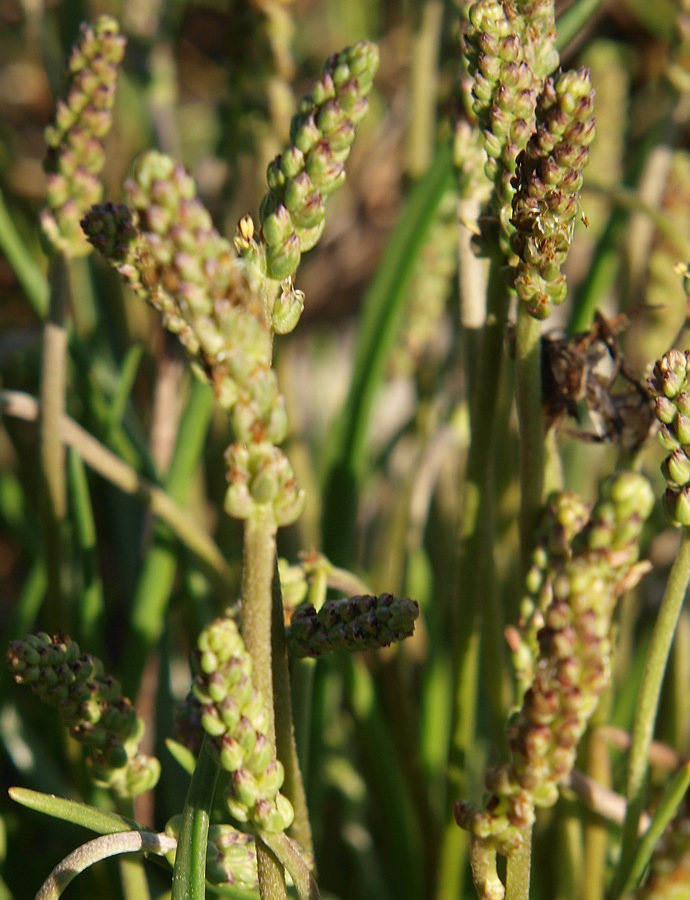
(189, 874)
(135, 885)
(673, 796)
(518, 870)
(647, 706)
(258, 563)
(598, 768)
(291, 858)
(271, 873)
(286, 748)
(531, 419)
(424, 89)
(52, 451)
(475, 575)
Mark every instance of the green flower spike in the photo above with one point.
(75, 139)
(165, 245)
(233, 713)
(669, 389)
(355, 623)
(92, 707)
(548, 181)
(565, 516)
(261, 478)
(230, 855)
(510, 49)
(582, 581)
(292, 213)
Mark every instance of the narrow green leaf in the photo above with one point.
(383, 308)
(189, 874)
(90, 817)
(671, 800)
(181, 755)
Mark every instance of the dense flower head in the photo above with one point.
(91, 705)
(230, 855)
(585, 561)
(233, 713)
(75, 139)
(261, 478)
(300, 180)
(510, 48)
(362, 622)
(165, 245)
(548, 182)
(670, 392)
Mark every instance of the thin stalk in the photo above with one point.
(189, 873)
(647, 706)
(668, 807)
(91, 603)
(135, 885)
(258, 563)
(474, 575)
(598, 768)
(518, 870)
(52, 452)
(286, 748)
(98, 849)
(531, 419)
(424, 89)
(292, 859)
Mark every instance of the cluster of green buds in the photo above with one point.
(92, 707)
(670, 391)
(582, 583)
(548, 181)
(510, 49)
(261, 481)
(300, 179)
(565, 516)
(355, 623)
(230, 855)
(234, 715)
(75, 139)
(168, 249)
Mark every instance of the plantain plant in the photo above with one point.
(330, 735)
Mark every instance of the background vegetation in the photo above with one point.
(376, 383)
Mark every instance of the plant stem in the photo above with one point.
(189, 874)
(258, 562)
(52, 451)
(518, 870)
(259, 559)
(598, 768)
(531, 419)
(286, 748)
(474, 576)
(98, 849)
(647, 706)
